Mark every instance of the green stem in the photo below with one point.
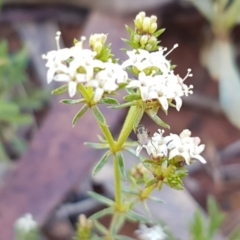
(127, 126)
(84, 92)
(118, 183)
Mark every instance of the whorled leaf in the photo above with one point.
(102, 213)
(101, 198)
(109, 101)
(97, 145)
(137, 217)
(79, 114)
(151, 182)
(101, 163)
(121, 165)
(72, 101)
(124, 105)
(99, 116)
(153, 115)
(132, 97)
(60, 90)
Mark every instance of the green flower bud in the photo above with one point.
(97, 38)
(136, 38)
(152, 40)
(152, 28)
(149, 47)
(153, 19)
(138, 21)
(97, 47)
(144, 40)
(146, 24)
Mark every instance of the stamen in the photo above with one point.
(174, 46)
(189, 74)
(58, 34)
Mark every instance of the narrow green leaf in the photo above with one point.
(60, 90)
(155, 199)
(109, 101)
(101, 213)
(101, 163)
(8, 108)
(121, 165)
(129, 30)
(101, 138)
(151, 182)
(98, 115)
(130, 144)
(132, 97)
(117, 223)
(138, 119)
(72, 101)
(129, 191)
(156, 119)
(159, 32)
(102, 229)
(130, 91)
(79, 114)
(124, 105)
(97, 145)
(101, 198)
(132, 151)
(137, 217)
(18, 119)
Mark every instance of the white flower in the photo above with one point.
(26, 223)
(150, 233)
(185, 146)
(107, 80)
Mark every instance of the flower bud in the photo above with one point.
(136, 38)
(152, 28)
(153, 19)
(149, 47)
(97, 47)
(146, 24)
(152, 40)
(94, 38)
(138, 21)
(144, 40)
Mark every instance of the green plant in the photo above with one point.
(18, 98)
(95, 76)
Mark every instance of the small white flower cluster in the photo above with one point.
(174, 145)
(26, 223)
(78, 65)
(150, 233)
(162, 84)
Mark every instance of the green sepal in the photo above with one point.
(109, 101)
(60, 90)
(99, 116)
(101, 163)
(101, 198)
(129, 30)
(153, 115)
(124, 105)
(159, 32)
(136, 217)
(97, 145)
(151, 182)
(102, 213)
(79, 114)
(121, 165)
(72, 101)
(132, 97)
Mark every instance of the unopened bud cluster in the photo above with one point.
(84, 228)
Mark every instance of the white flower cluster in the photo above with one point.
(174, 145)
(150, 233)
(162, 84)
(26, 223)
(78, 65)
